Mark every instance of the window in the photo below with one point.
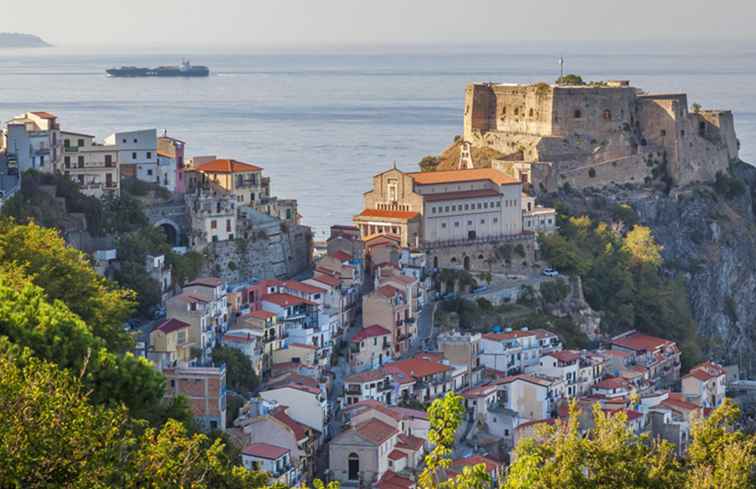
(443, 225)
(446, 209)
(108, 179)
(108, 160)
(469, 223)
(480, 205)
(498, 204)
(133, 155)
(531, 113)
(124, 140)
(454, 208)
(467, 207)
(81, 142)
(485, 205)
(482, 221)
(607, 115)
(495, 220)
(228, 225)
(66, 143)
(149, 172)
(578, 114)
(149, 154)
(67, 161)
(456, 224)
(80, 161)
(213, 224)
(135, 140)
(393, 190)
(433, 210)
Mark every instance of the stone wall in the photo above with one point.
(277, 253)
(483, 257)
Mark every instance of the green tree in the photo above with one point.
(570, 79)
(444, 415)
(65, 274)
(186, 267)
(240, 374)
(554, 291)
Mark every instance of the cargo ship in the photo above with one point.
(184, 69)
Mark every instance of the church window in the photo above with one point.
(578, 114)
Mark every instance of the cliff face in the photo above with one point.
(708, 236)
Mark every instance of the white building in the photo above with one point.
(274, 460)
(705, 385)
(511, 351)
(137, 153)
(93, 166)
(32, 142)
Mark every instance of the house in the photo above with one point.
(170, 343)
(511, 351)
(660, 356)
(250, 342)
(93, 166)
(366, 451)
(613, 387)
(412, 423)
(271, 333)
(479, 399)
(463, 349)
(204, 388)
(202, 303)
(705, 384)
(431, 378)
(274, 460)
(265, 422)
(370, 348)
(137, 154)
(563, 365)
(388, 307)
(303, 353)
(307, 404)
(173, 149)
(373, 384)
(32, 142)
(532, 396)
(243, 180)
(160, 272)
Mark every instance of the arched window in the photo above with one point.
(354, 466)
(531, 113)
(504, 110)
(578, 114)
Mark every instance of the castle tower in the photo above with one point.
(465, 157)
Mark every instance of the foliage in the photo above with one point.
(570, 79)
(124, 214)
(625, 214)
(240, 374)
(730, 186)
(429, 163)
(622, 278)
(695, 108)
(65, 274)
(527, 296)
(554, 291)
(52, 436)
(610, 455)
(133, 249)
(445, 415)
(185, 267)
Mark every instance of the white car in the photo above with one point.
(550, 272)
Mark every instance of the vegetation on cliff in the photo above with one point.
(620, 266)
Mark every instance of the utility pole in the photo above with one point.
(561, 67)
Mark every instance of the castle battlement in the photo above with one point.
(611, 132)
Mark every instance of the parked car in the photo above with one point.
(550, 272)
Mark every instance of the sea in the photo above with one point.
(322, 121)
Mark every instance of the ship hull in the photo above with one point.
(194, 72)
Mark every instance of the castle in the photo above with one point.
(596, 134)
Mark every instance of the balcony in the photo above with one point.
(354, 390)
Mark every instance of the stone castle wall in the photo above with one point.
(483, 257)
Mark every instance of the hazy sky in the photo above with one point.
(314, 22)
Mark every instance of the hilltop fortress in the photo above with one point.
(596, 134)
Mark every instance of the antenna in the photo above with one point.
(561, 67)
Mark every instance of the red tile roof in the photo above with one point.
(409, 442)
(382, 214)
(612, 383)
(370, 332)
(392, 480)
(375, 431)
(455, 176)
(265, 450)
(227, 166)
(408, 413)
(285, 300)
(381, 239)
(300, 430)
(302, 287)
(678, 402)
(397, 455)
(362, 406)
(491, 465)
(706, 371)
(327, 279)
(565, 356)
(172, 325)
(509, 335)
(630, 413)
(45, 115)
(239, 337)
(368, 376)
(388, 291)
(262, 314)
(641, 342)
(417, 367)
(479, 391)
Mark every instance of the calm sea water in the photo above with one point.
(322, 123)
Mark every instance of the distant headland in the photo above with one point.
(18, 40)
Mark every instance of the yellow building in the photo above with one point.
(170, 342)
(244, 180)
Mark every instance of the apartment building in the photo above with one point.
(170, 343)
(389, 308)
(32, 142)
(660, 356)
(205, 389)
(705, 384)
(92, 165)
(370, 348)
(243, 180)
(137, 154)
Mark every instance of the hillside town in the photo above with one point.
(350, 338)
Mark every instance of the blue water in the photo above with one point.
(322, 123)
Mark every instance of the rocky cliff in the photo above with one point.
(708, 234)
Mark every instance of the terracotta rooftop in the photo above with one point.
(265, 450)
(565, 356)
(327, 279)
(455, 176)
(227, 166)
(45, 115)
(409, 442)
(171, 325)
(388, 291)
(544, 333)
(706, 371)
(678, 402)
(612, 383)
(417, 367)
(408, 413)
(368, 376)
(397, 455)
(261, 314)
(375, 431)
(370, 332)
(479, 391)
(285, 300)
(239, 337)
(206, 281)
(300, 430)
(641, 342)
(508, 335)
(302, 287)
(380, 239)
(378, 213)
(392, 480)
(474, 460)
(630, 413)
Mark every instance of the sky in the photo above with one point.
(311, 23)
